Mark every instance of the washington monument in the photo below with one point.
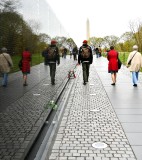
(88, 29)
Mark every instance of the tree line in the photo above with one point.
(123, 43)
(16, 34)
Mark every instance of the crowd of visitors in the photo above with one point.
(84, 55)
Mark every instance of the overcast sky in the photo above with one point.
(107, 17)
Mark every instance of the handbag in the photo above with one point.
(9, 64)
(119, 63)
(129, 63)
(20, 64)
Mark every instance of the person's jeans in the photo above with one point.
(97, 55)
(135, 77)
(85, 68)
(52, 71)
(64, 55)
(5, 79)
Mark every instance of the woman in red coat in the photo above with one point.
(26, 58)
(113, 64)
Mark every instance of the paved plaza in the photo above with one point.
(96, 112)
(23, 110)
(89, 118)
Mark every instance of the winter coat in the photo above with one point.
(4, 67)
(75, 51)
(81, 59)
(112, 57)
(136, 62)
(26, 58)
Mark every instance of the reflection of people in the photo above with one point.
(44, 54)
(97, 53)
(5, 60)
(112, 57)
(70, 52)
(100, 51)
(26, 59)
(136, 64)
(75, 52)
(53, 58)
(85, 57)
(64, 52)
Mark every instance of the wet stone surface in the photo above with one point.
(23, 117)
(81, 127)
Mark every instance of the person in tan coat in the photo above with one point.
(136, 64)
(5, 65)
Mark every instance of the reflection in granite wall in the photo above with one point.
(39, 12)
(31, 24)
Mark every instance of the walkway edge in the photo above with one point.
(47, 142)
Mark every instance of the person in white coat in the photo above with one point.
(5, 65)
(136, 63)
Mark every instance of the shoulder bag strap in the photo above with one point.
(6, 58)
(133, 56)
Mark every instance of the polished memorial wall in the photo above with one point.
(29, 24)
(40, 12)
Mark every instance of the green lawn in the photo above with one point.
(36, 59)
(123, 57)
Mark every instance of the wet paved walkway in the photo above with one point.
(23, 110)
(97, 112)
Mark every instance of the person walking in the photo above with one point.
(97, 52)
(75, 52)
(70, 49)
(53, 58)
(112, 57)
(26, 59)
(86, 58)
(5, 65)
(100, 51)
(136, 63)
(64, 52)
(44, 54)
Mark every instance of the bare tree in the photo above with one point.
(96, 41)
(127, 36)
(136, 29)
(9, 5)
(111, 40)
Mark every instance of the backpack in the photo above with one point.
(85, 52)
(100, 51)
(51, 53)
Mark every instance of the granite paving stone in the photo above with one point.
(22, 113)
(89, 117)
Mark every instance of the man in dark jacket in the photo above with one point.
(75, 52)
(86, 58)
(44, 54)
(53, 58)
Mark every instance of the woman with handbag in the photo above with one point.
(5, 65)
(26, 59)
(112, 57)
(134, 63)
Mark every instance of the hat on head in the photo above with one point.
(135, 47)
(53, 42)
(4, 49)
(85, 41)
